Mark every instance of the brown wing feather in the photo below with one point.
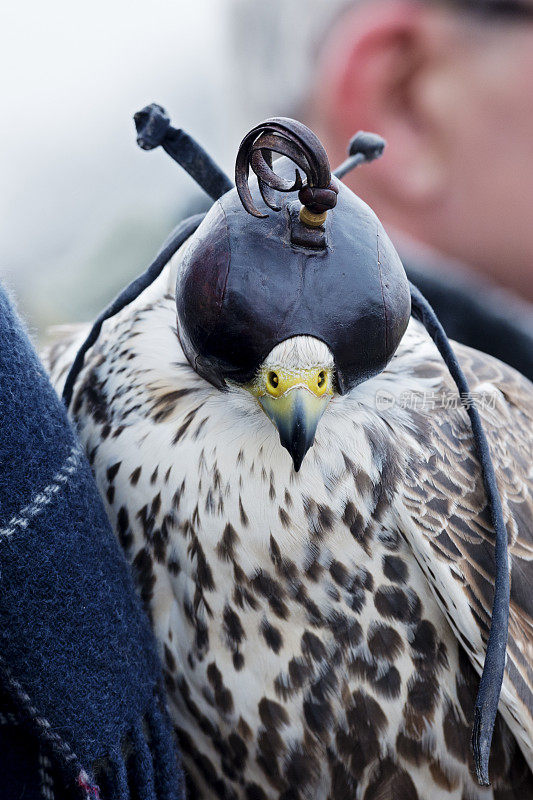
(448, 524)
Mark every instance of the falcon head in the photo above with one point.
(293, 386)
(252, 287)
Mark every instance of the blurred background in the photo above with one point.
(83, 209)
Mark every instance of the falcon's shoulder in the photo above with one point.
(446, 520)
(59, 352)
(141, 325)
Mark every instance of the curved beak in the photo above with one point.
(296, 415)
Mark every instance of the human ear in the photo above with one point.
(378, 72)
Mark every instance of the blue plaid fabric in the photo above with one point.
(81, 701)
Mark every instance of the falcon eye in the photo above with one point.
(321, 379)
(274, 384)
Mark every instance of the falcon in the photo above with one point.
(293, 477)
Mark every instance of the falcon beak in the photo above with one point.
(296, 415)
(295, 403)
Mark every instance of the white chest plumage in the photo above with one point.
(286, 606)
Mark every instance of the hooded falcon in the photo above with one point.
(293, 477)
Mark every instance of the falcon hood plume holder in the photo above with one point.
(320, 265)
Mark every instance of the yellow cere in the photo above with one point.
(275, 381)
